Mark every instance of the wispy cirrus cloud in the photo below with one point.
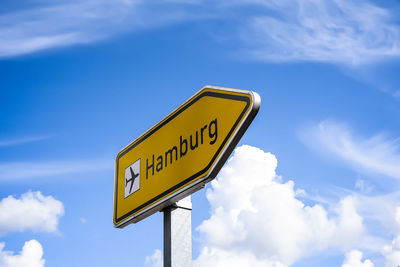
(22, 140)
(17, 170)
(334, 31)
(46, 26)
(65, 23)
(11, 171)
(377, 154)
(397, 93)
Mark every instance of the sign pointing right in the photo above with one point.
(182, 152)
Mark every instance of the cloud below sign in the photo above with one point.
(257, 220)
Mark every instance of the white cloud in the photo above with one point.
(11, 171)
(383, 211)
(377, 154)
(256, 216)
(154, 260)
(335, 31)
(32, 211)
(364, 186)
(392, 253)
(60, 24)
(30, 256)
(64, 23)
(354, 259)
(19, 141)
(220, 258)
(397, 93)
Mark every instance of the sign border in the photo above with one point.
(153, 205)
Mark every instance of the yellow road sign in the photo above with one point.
(181, 153)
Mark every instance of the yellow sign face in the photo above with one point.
(180, 153)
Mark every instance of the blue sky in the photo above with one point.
(79, 80)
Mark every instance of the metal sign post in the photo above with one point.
(178, 234)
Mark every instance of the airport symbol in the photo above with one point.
(132, 178)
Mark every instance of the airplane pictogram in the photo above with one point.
(132, 179)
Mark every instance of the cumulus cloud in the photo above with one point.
(392, 253)
(260, 221)
(377, 154)
(30, 256)
(220, 258)
(354, 259)
(155, 260)
(32, 211)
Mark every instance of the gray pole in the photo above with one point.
(178, 234)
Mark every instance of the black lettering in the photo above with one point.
(201, 133)
(159, 166)
(192, 147)
(184, 144)
(148, 167)
(170, 155)
(183, 141)
(213, 133)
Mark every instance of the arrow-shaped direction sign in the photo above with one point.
(181, 153)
